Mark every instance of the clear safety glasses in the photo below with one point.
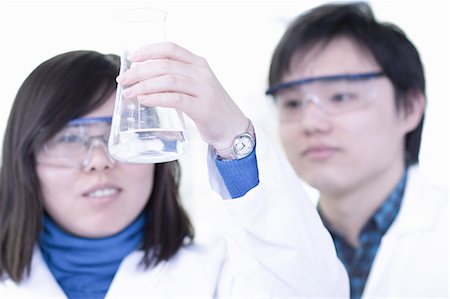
(74, 144)
(336, 94)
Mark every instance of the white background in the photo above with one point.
(237, 38)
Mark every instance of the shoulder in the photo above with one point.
(420, 186)
(425, 205)
(196, 268)
(39, 283)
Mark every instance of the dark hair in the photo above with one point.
(62, 88)
(393, 51)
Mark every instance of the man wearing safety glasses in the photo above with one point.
(350, 96)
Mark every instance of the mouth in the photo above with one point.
(319, 153)
(103, 192)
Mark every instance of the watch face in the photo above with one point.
(243, 145)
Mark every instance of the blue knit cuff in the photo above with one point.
(239, 176)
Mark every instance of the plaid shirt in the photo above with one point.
(358, 261)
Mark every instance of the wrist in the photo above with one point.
(242, 145)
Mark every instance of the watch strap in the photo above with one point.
(232, 152)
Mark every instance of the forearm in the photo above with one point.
(279, 227)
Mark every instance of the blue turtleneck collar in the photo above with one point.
(85, 267)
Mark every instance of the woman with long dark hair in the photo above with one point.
(76, 223)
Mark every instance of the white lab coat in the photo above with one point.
(412, 260)
(272, 245)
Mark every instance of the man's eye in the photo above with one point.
(291, 104)
(341, 97)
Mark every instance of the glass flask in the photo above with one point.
(139, 133)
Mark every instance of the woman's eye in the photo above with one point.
(70, 139)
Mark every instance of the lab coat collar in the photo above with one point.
(416, 212)
(40, 283)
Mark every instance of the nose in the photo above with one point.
(314, 118)
(98, 157)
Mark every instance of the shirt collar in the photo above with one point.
(386, 213)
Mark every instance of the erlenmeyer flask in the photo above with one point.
(143, 134)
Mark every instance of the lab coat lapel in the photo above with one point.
(416, 214)
(40, 283)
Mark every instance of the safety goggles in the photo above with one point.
(336, 94)
(74, 144)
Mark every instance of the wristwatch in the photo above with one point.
(243, 145)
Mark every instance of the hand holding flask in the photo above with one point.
(142, 133)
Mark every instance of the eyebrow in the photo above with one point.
(359, 76)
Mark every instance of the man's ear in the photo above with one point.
(414, 110)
